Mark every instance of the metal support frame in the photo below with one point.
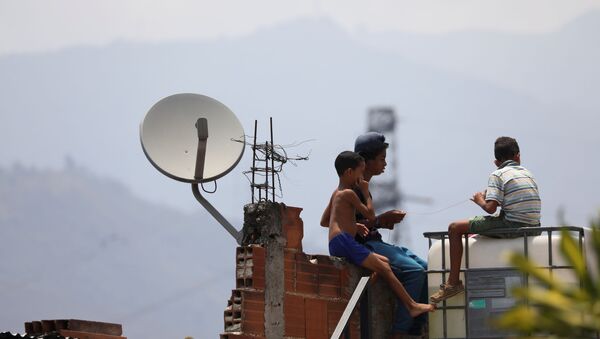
(268, 163)
(524, 232)
(237, 235)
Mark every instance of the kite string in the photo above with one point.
(440, 210)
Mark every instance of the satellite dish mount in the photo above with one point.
(180, 123)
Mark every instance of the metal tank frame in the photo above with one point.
(525, 233)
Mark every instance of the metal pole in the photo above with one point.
(272, 160)
(266, 170)
(466, 284)
(358, 292)
(253, 160)
(237, 235)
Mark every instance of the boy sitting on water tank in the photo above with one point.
(513, 188)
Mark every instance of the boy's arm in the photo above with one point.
(326, 214)
(490, 206)
(365, 209)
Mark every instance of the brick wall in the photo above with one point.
(75, 328)
(315, 291)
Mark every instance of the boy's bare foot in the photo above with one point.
(420, 309)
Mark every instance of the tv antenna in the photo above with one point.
(195, 139)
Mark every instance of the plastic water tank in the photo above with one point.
(488, 282)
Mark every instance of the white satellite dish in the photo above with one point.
(195, 139)
(170, 137)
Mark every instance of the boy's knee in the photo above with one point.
(452, 228)
(385, 268)
(458, 228)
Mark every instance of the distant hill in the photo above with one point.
(76, 245)
(557, 68)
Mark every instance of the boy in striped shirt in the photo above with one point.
(513, 188)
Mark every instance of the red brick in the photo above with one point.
(48, 326)
(60, 324)
(294, 316)
(306, 267)
(289, 260)
(289, 271)
(329, 291)
(301, 257)
(335, 309)
(346, 290)
(307, 283)
(293, 227)
(315, 311)
(289, 284)
(247, 312)
(37, 326)
(254, 314)
(307, 288)
(330, 280)
(256, 251)
(239, 336)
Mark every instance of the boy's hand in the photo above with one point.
(363, 185)
(362, 230)
(479, 198)
(389, 218)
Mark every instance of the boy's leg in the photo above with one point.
(456, 231)
(381, 257)
(410, 270)
(418, 282)
(373, 263)
(453, 286)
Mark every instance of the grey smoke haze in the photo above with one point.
(454, 95)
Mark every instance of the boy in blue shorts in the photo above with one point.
(513, 188)
(340, 217)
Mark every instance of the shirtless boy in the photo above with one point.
(339, 216)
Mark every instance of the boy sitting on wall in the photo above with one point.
(339, 216)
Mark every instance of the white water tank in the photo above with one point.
(488, 281)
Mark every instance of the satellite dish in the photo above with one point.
(195, 139)
(192, 138)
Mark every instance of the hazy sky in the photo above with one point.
(30, 25)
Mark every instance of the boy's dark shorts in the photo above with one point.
(482, 224)
(344, 245)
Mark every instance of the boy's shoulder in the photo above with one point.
(344, 192)
(507, 169)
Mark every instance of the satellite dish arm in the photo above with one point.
(237, 235)
(202, 127)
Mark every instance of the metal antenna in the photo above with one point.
(266, 154)
(253, 160)
(272, 157)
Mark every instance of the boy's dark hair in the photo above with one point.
(370, 144)
(347, 159)
(505, 148)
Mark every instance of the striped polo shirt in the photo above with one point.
(516, 191)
